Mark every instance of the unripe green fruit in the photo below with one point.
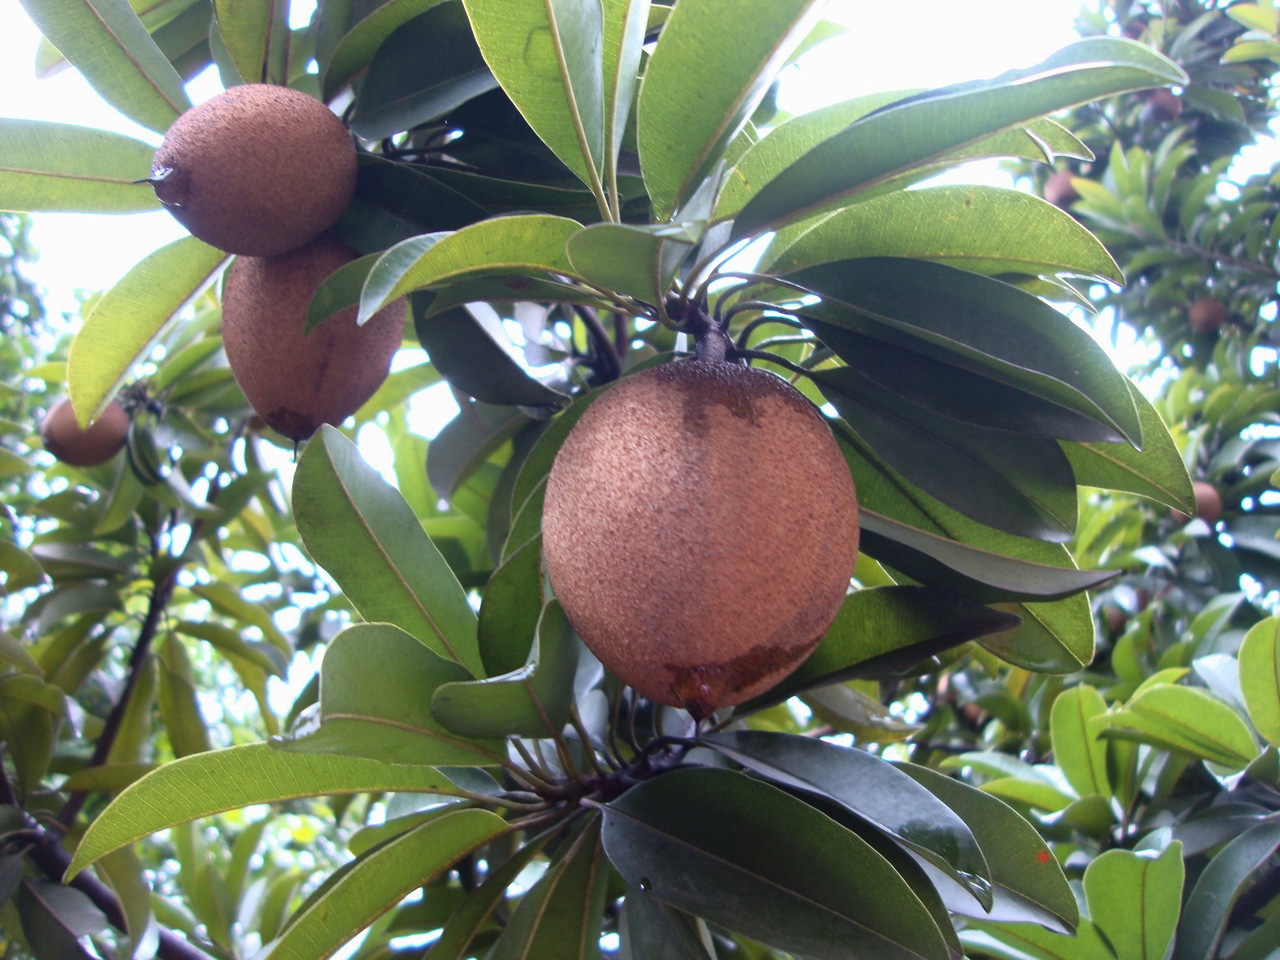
(258, 169)
(700, 529)
(297, 381)
(84, 448)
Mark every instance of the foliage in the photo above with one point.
(337, 703)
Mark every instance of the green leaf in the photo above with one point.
(357, 48)
(918, 130)
(178, 700)
(467, 442)
(638, 261)
(729, 56)
(533, 701)
(108, 44)
(338, 291)
(547, 57)
(126, 320)
(801, 883)
(871, 788)
(1080, 754)
(1208, 908)
(359, 528)
(510, 610)
(256, 36)
(379, 680)
(60, 167)
(530, 243)
(470, 348)
(1157, 471)
(560, 917)
(970, 571)
(380, 879)
(622, 44)
(988, 230)
(881, 630)
(1028, 883)
(978, 323)
(1055, 637)
(207, 783)
(426, 68)
(225, 598)
(124, 874)
(650, 928)
(1260, 677)
(1188, 720)
(54, 918)
(1135, 900)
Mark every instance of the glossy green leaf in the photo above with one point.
(339, 291)
(380, 879)
(1220, 885)
(256, 35)
(108, 44)
(730, 56)
(1078, 751)
(637, 261)
(470, 348)
(1157, 471)
(532, 701)
(624, 29)
(972, 572)
(650, 928)
(1056, 637)
(881, 630)
(397, 201)
(978, 323)
(360, 529)
(800, 884)
(1022, 868)
(1260, 677)
(989, 230)
(207, 783)
(869, 787)
(917, 130)
(560, 917)
(547, 57)
(426, 68)
(1188, 720)
(353, 53)
(510, 610)
(1135, 900)
(126, 320)
(530, 243)
(59, 167)
(379, 680)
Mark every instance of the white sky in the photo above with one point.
(889, 45)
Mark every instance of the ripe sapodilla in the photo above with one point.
(257, 170)
(84, 448)
(700, 529)
(1206, 315)
(296, 381)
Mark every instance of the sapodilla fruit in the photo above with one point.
(93, 447)
(297, 381)
(700, 529)
(257, 170)
(1206, 315)
(1059, 189)
(1208, 502)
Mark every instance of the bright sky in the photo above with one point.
(937, 42)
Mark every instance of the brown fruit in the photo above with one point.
(1208, 502)
(84, 448)
(1206, 315)
(258, 169)
(1059, 190)
(1164, 104)
(296, 381)
(700, 530)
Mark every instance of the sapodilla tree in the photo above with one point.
(294, 379)
(258, 169)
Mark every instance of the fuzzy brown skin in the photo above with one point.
(700, 530)
(1206, 315)
(296, 382)
(1208, 502)
(1059, 190)
(84, 448)
(257, 170)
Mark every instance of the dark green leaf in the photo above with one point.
(361, 530)
(467, 441)
(510, 610)
(397, 201)
(652, 929)
(343, 58)
(1228, 875)
(55, 917)
(800, 884)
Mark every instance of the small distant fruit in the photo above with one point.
(296, 381)
(1059, 190)
(84, 448)
(257, 170)
(1208, 502)
(1206, 315)
(1164, 104)
(700, 530)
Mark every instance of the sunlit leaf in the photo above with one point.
(1260, 677)
(55, 166)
